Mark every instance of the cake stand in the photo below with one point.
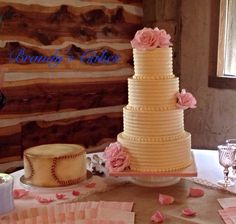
(158, 179)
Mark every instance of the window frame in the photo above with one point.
(216, 78)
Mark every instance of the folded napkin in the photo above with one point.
(228, 215)
(73, 213)
(227, 202)
(40, 220)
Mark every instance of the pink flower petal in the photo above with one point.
(91, 185)
(157, 217)
(188, 212)
(76, 193)
(19, 193)
(196, 192)
(60, 196)
(166, 199)
(43, 200)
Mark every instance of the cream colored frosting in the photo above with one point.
(155, 93)
(157, 155)
(54, 165)
(154, 134)
(157, 62)
(153, 123)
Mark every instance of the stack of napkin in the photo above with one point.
(74, 213)
(228, 213)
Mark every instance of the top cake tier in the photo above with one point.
(153, 64)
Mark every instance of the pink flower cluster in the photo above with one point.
(185, 100)
(148, 39)
(117, 159)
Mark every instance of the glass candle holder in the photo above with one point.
(226, 159)
(232, 142)
(6, 196)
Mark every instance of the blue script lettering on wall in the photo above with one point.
(22, 58)
(102, 57)
(88, 57)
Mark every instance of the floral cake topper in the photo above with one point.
(117, 159)
(185, 100)
(148, 39)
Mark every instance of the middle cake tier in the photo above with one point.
(148, 123)
(160, 93)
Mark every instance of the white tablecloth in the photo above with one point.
(207, 164)
(209, 171)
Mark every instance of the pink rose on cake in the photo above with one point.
(145, 39)
(164, 38)
(117, 159)
(148, 39)
(185, 100)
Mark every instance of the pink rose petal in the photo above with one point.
(166, 199)
(19, 193)
(43, 200)
(196, 192)
(76, 193)
(60, 196)
(188, 212)
(91, 185)
(157, 217)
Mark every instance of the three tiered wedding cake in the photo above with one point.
(154, 138)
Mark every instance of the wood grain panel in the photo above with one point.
(133, 2)
(19, 57)
(47, 26)
(89, 130)
(10, 143)
(80, 2)
(14, 79)
(55, 97)
(86, 106)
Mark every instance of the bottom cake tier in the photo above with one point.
(164, 154)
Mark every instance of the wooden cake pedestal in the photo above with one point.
(158, 179)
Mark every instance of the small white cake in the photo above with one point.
(54, 165)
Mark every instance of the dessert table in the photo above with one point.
(146, 199)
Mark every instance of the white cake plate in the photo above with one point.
(158, 179)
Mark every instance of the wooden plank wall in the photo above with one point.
(74, 101)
